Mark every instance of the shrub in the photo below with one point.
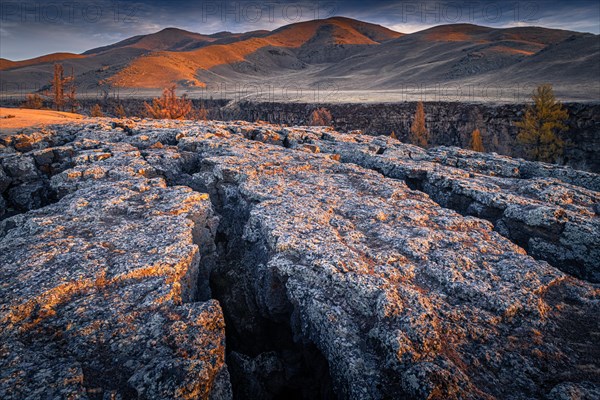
(33, 101)
(120, 111)
(96, 111)
(320, 117)
(202, 114)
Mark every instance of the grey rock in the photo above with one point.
(334, 238)
(44, 157)
(30, 140)
(2, 206)
(530, 203)
(333, 277)
(575, 391)
(29, 196)
(4, 180)
(20, 168)
(100, 289)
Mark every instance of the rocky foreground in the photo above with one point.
(163, 260)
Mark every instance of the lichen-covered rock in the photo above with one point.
(404, 298)
(99, 293)
(335, 279)
(4, 180)
(2, 206)
(547, 209)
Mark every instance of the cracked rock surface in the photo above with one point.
(345, 266)
(99, 290)
(551, 211)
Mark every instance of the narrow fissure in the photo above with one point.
(267, 357)
(25, 182)
(20, 197)
(514, 230)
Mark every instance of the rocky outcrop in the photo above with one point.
(337, 276)
(551, 211)
(100, 294)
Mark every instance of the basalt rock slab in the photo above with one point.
(337, 277)
(402, 296)
(549, 210)
(100, 294)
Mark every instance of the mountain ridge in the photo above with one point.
(352, 54)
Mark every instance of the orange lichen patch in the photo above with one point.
(54, 57)
(42, 306)
(381, 216)
(449, 350)
(157, 145)
(190, 202)
(537, 337)
(91, 328)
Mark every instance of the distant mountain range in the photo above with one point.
(350, 54)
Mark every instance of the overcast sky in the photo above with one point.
(32, 27)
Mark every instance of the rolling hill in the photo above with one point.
(350, 54)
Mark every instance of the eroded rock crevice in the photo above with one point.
(25, 180)
(28, 161)
(268, 357)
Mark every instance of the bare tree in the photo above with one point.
(320, 117)
(169, 106)
(63, 90)
(71, 91)
(476, 142)
(58, 88)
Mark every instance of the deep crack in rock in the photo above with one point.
(266, 357)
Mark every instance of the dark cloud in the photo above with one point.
(31, 28)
